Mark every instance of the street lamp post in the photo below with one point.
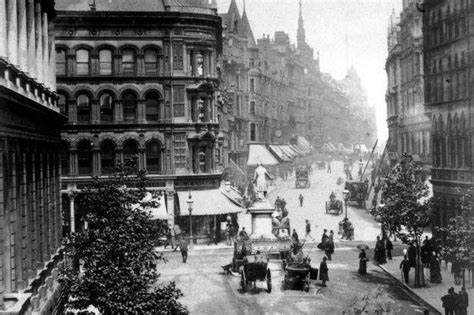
(361, 164)
(346, 195)
(190, 202)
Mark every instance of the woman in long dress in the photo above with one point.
(363, 262)
(323, 272)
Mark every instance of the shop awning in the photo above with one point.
(279, 153)
(258, 153)
(155, 205)
(206, 202)
(304, 144)
(290, 152)
(296, 149)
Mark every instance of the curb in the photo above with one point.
(433, 310)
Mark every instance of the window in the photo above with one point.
(128, 62)
(130, 151)
(107, 157)
(253, 132)
(60, 62)
(129, 102)
(153, 161)
(82, 62)
(178, 57)
(180, 150)
(62, 104)
(83, 108)
(151, 62)
(252, 85)
(64, 156)
(152, 106)
(105, 62)
(106, 107)
(84, 157)
(252, 108)
(251, 62)
(178, 100)
(200, 64)
(166, 56)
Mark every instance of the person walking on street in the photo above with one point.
(405, 267)
(363, 262)
(329, 248)
(435, 269)
(389, 247)
(323, 272)
(324, 238)
(308, 231)
(169, 238)
(412, 255)
(183, 247)
(294, 236)
(329, 168)
(463, 302)
(301, 200)
(449, 302)
(243, 236)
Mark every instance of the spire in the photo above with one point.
(301, 33)
(244, 8)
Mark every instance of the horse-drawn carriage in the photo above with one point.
(334, 207)
(302, 177)
(255, 268)
(358, 192)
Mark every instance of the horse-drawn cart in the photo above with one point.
(255, 268)
(334, 207)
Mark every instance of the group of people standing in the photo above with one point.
(327, 244)
(455, 303)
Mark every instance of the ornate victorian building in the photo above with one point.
(409, 127)
(30, 123)
(449, 99)
(139, 81)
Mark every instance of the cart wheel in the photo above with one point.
(243, 281)
(269, 281)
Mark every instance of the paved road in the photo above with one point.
(207, 290)
(322, 183)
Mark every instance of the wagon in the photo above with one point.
(255, 270)
(334, 207)
(297, 276)
(357, 192)
(302, 178)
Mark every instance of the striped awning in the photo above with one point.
(206, 202)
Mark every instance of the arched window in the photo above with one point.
(64, 156)
(105, 62)
(252, 108)
(82, 62)
(106, 107)
(60, 62)
(62, 104)
(151, 61)
(152, 106)
(129, 102)
(84, 157)
(130, 151)
(128, 62)
(107, 157)
(153, 161)
(83, 108)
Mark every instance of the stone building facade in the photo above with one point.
(30, 123)
(448, 68)
(139, 81)
(410, 128)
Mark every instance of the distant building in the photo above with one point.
(30, 123)
(447, 49)
(409, 127)
(140, 81)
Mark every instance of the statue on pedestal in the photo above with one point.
(261, 176)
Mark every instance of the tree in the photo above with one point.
(118, 265)
(459, 236)
(404, 212)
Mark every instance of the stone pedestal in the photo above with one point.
(261, 212)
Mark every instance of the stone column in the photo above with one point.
(39, 42)
(13, 32)
(72, 217)
(22, 45)
(3, 30)
(30, 29)
(51, 57)
(141, 111)
(46, 72)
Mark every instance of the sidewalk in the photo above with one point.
(198, 247)
(432, 292)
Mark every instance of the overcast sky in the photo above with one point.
(327, 22)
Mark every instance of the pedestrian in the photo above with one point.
(331, 235)
(463, 302)
(283, 204)
(324, 237)
(449, 302)
(323, 272)
(456, 271)
(243, 236)
(169, 237)
(329, 168)
(363, 262)
(329, 248)
(405, 267)
(389, 247)
(435, 269)
(308, 231)
(301, 200)
(379, 253)
(294, 237)
(183, 247)
(412, 255)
